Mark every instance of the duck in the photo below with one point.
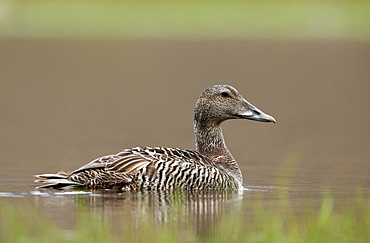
(210, 167)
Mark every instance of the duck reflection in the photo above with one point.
(201, 209)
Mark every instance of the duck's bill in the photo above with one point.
(256, 114)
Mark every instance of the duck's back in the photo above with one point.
(150, 168)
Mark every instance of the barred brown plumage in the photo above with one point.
(210, 167)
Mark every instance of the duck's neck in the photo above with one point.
(210, 142)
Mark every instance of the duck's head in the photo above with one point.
(222, 102)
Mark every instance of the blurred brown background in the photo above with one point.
(66, 102)
(82, 79)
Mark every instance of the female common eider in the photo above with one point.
(210, 167)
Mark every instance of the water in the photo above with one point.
(64, 103)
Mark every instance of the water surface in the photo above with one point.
(65, 103)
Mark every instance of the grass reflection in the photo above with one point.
(264, 224)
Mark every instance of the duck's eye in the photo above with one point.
(225, 94)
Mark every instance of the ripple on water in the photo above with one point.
(46, 194)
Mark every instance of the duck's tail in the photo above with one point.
(56, 181)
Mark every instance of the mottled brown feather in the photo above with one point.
(210, 167)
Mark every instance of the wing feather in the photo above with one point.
(130, 161)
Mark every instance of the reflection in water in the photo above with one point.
(198, 208)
